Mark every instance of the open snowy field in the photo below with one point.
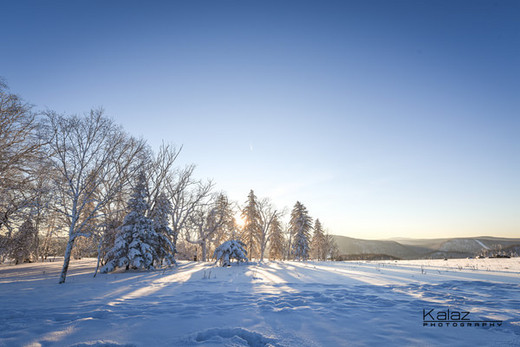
(269, 304)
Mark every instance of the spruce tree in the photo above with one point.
(318, 243)
(277, 242)
(232, 249)
(299, 228)
(24, 242)
(160, 216)
(252, 228)
(137, 244)
(226, 230)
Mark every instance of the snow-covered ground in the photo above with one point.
(269, 304)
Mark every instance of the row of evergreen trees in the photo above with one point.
(300, 240)
(143, 241)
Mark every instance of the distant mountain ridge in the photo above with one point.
(403, 248)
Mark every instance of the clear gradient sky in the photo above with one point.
(385, 118)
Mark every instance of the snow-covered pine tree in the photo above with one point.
(277, 241)
(300, 227)
(232, 249)
(161, 215)
(227, 229)
(137, 244)
(318, 243)
(252, 227)
(24, 242)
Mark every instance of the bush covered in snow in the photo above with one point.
(24, 243)
(138, 244)
(232, 249)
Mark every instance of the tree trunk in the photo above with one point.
(66, 261)
(262, 249)
(203, 246)
(289, 248)
(99, 255)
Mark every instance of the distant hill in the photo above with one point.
(349, 246)
(425, 248)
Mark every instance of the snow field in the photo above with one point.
(267, 304)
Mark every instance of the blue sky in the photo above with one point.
(385, 118)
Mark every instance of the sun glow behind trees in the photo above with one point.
(240, 221)
(110, 189)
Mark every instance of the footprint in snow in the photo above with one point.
(230, 337)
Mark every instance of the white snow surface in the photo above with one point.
(266, 304)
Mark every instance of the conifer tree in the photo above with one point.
(252, 227)
(161, 215)
(232, 249)
(226, 230)
(318, 243)
(137, 243)
(299, 228)
(277, 242)
(24, 242)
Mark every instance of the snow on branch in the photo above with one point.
(232, 249)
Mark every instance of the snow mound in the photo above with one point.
(101, 343)
(232, 337)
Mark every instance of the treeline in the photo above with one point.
(81, 186)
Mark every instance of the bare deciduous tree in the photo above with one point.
(268, 215)
(331, 247)
(159, 170)
(86, 151)
(19, 149)
(204, 223)
(186, 195)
